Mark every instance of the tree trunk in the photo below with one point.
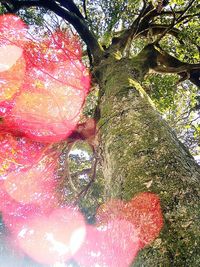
(141, 153)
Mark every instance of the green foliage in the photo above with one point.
(162, 90)
(2, 9)
(186, 51)
(93, 200)
(110, 16)
(177, 104)
(33, 15)
(178, 2)
(137, 46)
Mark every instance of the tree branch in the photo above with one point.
(93, 47)
(84, 191)
(175, 21)
(19, 4)
(9, 9)
(160, 28)
(185, 10)
(162, 62)
(85, 8)
(119, 43)
(71, 6)
(143, 22)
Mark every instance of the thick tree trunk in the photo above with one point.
(141, 153)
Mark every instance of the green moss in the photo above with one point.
(141, 153)
(141, 91)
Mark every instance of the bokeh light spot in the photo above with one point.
(48, 239)
(143, 211)
(113, 244)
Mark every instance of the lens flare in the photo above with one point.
(18, 154)
(35, 185)
(12, 30)
(48, 105)
(54, 238)
(143, 211)
(113, 244)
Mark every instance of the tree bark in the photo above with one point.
(141, 153)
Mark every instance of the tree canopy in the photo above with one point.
(159, 41)
(128, 26)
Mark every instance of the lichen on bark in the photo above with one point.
(141, 153)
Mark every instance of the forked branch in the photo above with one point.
(162, 62)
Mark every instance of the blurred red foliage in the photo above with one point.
(43, 92)
(19, 153)
(43, 86)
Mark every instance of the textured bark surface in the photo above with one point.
(141, 153)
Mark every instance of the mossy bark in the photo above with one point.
(141, 153)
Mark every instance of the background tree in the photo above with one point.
(139, 51)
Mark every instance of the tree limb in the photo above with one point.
(142, 23)
(71, 6)
(19, 4)
(160, 28)
(162, 62)
(85, 9)
(84, 191)
(7, 7)
(174, 22)
(119, 43)
(185, 10)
